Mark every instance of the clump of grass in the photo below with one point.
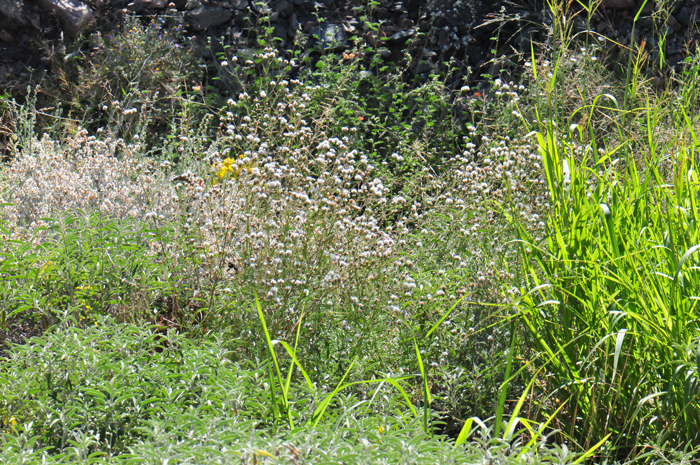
(609, 287)
(612, 291)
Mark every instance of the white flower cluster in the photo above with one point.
(293, 220)
(85, 174)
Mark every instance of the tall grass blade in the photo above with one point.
(592, 450)
(618, 349)
(683, 259)
(512, 423)
(273, 359)
(439, 322)
(467, 429)
(321, 409)
(504, 387)
(294, 361)
(293, 357)
(541, 428)
(427, 399)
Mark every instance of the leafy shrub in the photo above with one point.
(131, 70)
(134, 394)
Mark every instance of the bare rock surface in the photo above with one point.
(12, 11)
(204, 17)
(618, 4)
(75, 15)
(433, 32)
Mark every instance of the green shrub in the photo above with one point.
(133, 77)
(121, 393)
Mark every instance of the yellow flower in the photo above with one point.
(228, 167)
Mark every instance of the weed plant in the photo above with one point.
(120, 82)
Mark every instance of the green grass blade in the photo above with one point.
(295, 361)
(292, 355)
(618, 349)
(533, 61)
(683, 259)
(508, 432)
(273, 356)
(321, 409)
(504, 387)
(427, 399)
(395, 383)
(439, 322)
(465, 431)
(592, 450)
(541, 429)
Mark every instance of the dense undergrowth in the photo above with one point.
(337, 266)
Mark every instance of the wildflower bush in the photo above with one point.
(275, 206)
(86, 174)
(132, 76)
(283, 204)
